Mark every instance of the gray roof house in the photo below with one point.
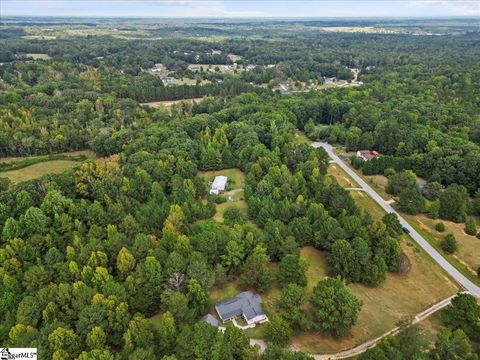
(210, 320)
(246, 304)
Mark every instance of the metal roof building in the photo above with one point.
(246, 304)
(218, 185)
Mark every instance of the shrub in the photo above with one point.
(220, 199)
(440, 227)
(449, 244)
(478, 235)
(389, 171)
(471, 226)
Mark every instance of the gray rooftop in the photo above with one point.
(245, 303)
(210, 319)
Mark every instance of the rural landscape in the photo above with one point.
(251, 187)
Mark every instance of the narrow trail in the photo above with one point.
(371, 343)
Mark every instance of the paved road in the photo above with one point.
(454, 273)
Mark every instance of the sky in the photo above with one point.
(239, 9)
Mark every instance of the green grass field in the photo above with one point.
(341, 176)
(37, 170)
(236, 177)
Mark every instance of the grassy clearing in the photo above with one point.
(87, 153)
(341, 176)
(317, 266)
(236, 177)
(455, 260)
(365, 202)
(400, 297)
(242, 205)
(38, 56)
(469, 246)
(234, 58)
(301, 138)
(234, 193)
(38, 170)
(169, 103)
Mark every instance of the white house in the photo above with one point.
(218, 185)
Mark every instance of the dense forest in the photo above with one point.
(87, 257)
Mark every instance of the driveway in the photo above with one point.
(454, 273)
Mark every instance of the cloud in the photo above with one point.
(458, 7)
(151, 8)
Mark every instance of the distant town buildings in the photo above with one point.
(219, 185)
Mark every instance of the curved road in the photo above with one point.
(454, 273)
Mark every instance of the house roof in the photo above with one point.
(219, 183)
(367, 154)
(246, 303)
(210, 319)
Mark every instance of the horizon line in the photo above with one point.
(243, 17)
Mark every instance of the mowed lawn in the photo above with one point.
(236, 177)
(341, 176)
(468, 253)
(35, 171)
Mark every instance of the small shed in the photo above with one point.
(210, 320)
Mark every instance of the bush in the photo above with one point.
(357, 162)
(389, 171)
(478, 235)
(232, 216)
(440, 227)
(471, 226)
(449, 244)
(220, 199)
(478, 270)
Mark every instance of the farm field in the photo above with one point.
(37, 170)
